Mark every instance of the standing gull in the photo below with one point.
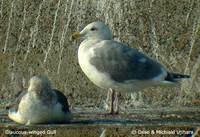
(115, 66)
(41, 104)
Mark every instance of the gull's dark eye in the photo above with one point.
(93, 29)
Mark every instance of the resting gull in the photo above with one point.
(113, 65)
(41, 104)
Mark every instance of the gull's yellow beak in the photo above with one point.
(76, 36)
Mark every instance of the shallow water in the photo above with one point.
(95, 122)
(136, 117)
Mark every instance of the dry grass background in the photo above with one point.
(35, 39)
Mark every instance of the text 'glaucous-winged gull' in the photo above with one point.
(114, 66)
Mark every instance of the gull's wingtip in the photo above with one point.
(174, 77)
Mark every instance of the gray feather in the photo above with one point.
(123, 63)
(61, 98)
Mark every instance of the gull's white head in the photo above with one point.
(94, 30)
(38, 84)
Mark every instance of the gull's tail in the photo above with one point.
(174, 77)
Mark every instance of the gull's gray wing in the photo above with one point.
(123, 63)
(61, 98)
